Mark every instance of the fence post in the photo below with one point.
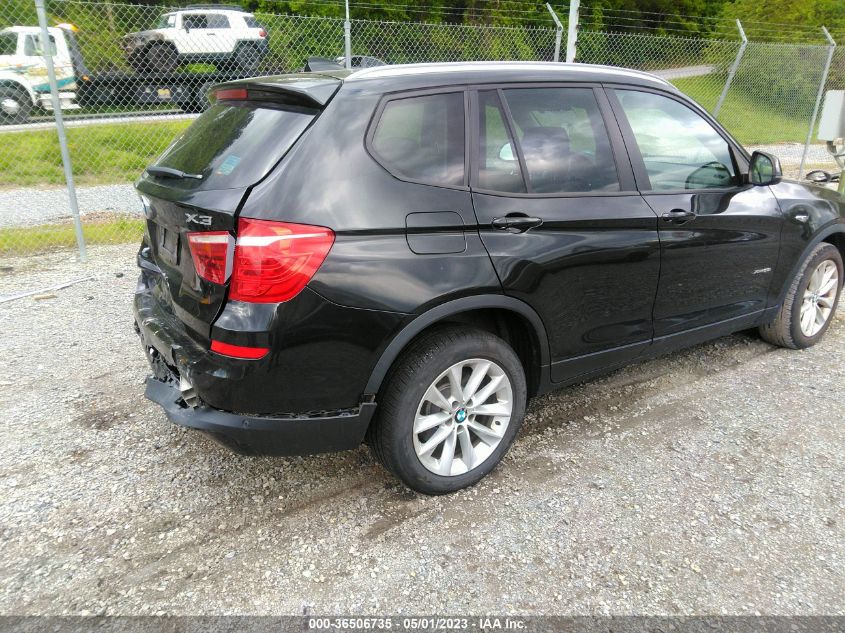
(558, 31)
(572, 30)
(819, 96)
(347, 38)
(60, 128)
(733, 69)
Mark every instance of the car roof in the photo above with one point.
(405, 76)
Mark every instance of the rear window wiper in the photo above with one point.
(169, 172)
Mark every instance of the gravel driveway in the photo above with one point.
(709, 481)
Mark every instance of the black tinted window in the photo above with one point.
(233, 145)
(680, 149)
(8, 43)
(498, 168)
(563, 140)
(251, 22)
(195, 21)
(422, 138)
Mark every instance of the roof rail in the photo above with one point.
(219, 7)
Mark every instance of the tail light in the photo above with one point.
(262, 33)
(231, 94)
(210, 252)
(238, 351)
(274, 260)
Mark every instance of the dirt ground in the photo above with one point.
(711, 481)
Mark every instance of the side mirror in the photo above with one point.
(764, 169)
(819, 176)
(506, 153)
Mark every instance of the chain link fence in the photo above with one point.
(132, 77)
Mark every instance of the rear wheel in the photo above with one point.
(158, 58)
(15, 105)
(450, 411)
(246, 58)
(810, 302)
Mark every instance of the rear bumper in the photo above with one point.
(264, 435)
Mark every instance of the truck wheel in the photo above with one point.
(246, 58)
(159, 58)
(810, 302)
(451, 410)
(15, 105)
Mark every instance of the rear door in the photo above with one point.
(229, 148)
(720, 236)
(564, 225)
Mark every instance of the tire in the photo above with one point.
(425, 366)
(15, 105)
(159, 58)
(246, 58)
(787, 329)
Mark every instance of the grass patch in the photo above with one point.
(747, 118)
(108, 153)
(49, 237)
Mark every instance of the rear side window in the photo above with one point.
(217, 21)
(422, 138)
(498, 168)
(233, 145)
(563, 140)
(251, 22)
(32, 46)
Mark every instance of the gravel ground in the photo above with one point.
(710, 481)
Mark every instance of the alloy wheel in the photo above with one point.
(462, 417)
(819, 298)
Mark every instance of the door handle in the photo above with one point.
(516, 223)
(678, 216)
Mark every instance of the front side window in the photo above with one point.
(680, 149)
(167, 21)
(422, 138)
(195, 21)
(32, 46)
(563, 140)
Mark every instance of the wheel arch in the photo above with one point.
(6, 82)
(832, 234)
(510, 318)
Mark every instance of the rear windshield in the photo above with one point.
(233, 145)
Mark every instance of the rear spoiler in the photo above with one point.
(308, 90)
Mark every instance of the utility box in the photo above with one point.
(832, 122)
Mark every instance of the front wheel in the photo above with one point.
(15, 105)
(810, 302)
(450, 411)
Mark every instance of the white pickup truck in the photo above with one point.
(23, 71)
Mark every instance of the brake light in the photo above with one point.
(238, 351)
(274, 260)
(262, 33)
(210, 252)
(231, 94)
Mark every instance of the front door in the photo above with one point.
(719, 237)
(566, 230)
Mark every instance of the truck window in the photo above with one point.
(167, 21)
(32, 46)
(195, 21)
(217, 21)
(8, 43)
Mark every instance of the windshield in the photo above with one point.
(234, 145)
(8, 43)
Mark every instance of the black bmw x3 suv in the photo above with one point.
(404, 255)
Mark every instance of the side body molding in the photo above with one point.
(456, 306)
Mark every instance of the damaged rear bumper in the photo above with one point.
(288, 435)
